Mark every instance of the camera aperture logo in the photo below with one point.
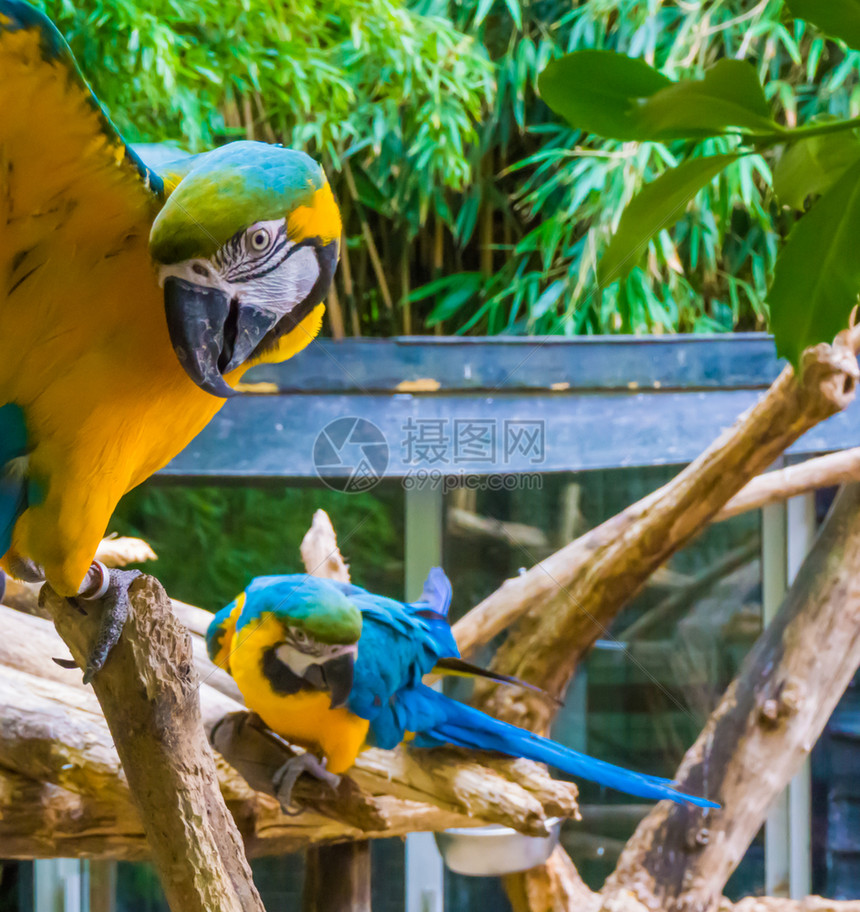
(351, 455)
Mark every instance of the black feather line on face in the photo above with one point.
(258, 260)
(327, 260)
(283, 679)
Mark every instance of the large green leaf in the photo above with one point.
(729, 95)
(600, 91)
(839, 18)
(658, 205)
(811, 166)
(817, 276)
(616, 96)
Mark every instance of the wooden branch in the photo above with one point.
(776, 904)
(120, 551)
(337, 878)
(469, 524)
(568, 600)
(552, 887)
(781, 484)
(320, 553)
(681, 857)
(148, 693)
(65, 731)
(565, 602)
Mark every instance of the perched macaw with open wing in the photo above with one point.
(336, 668)
(130, 302)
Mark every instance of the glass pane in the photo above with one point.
(644, 693)
(212, 540)
(16, 886)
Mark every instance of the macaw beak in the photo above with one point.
(211, 334)
(338, 674)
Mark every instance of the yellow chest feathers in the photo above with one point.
(304, 717)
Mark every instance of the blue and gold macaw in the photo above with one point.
(336, 668)
(131, 302)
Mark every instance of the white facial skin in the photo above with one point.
(300, 651)
(260, 266)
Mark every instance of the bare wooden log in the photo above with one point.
(680, 857)
(53, 728)
(568, 600)
(776, 904)
(518, 792)
(120, 551)
(23, 597)
(470, 524)
(553, 887)
(148, 693)
(320, 553)
(337, 878)
(781, 484)
(40, 820)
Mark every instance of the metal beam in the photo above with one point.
(425, 873)
(788, 531)
(274, 436)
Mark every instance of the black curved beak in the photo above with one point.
(211, 334)
(338, 674)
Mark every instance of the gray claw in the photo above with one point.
(285, 778)
(115, 607)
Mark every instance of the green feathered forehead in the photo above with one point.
(227, 190)
(325, 615)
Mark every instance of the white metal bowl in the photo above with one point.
(492, 851)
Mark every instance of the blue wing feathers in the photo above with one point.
(13, 482)
(399, 644)
(454, 723)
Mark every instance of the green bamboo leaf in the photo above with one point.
(658, 205)
(811, 166)
(817, 275)
(729, 95)
(838, 18)
(548, 299)
(600, 91)
(481, 14)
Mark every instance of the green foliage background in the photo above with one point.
(469, 207)
(212, 541)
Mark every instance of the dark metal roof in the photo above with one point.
(472, 406)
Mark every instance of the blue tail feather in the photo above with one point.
(463, 726)
(13, 484)
(436, 594)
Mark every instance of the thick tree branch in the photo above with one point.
(51, 729)
(568, 600)
(148, 691)
(781, 484)
(680, 857)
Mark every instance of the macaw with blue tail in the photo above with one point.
(336, 668)
(131, 303)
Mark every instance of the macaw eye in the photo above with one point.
(300, 638)
(259, 239)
